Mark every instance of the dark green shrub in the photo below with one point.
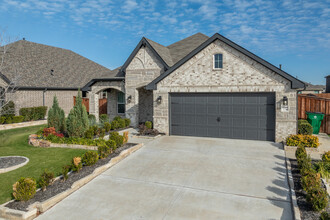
(77, 121)
(148, 124)
(325, 216)
(111, 144)
(46, 179)
(326, 157)
(8, 109)
(95, 129)
(103, 151)
(305, 128)
(310, 181)
(56, 117)
(89, 133)
(301, 153)
(121, 123)
(18, 119)
(107, 126)
(92, 119)
(24, 189)
(305, 166)
(76, 164)
(89, 158)
(119, 139)
(65, 171)
(318, 198)
(127, 122)
(104, 118)
(33, 113)
(114, 125)
(2, 120)
(9, 120)
(101, 132)
(116, 118)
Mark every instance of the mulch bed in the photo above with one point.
(306, 210)
(60, 185)
(9, 161)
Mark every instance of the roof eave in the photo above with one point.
(87, 87)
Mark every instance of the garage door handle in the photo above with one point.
(218, 119)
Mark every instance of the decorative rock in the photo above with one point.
(44, 143)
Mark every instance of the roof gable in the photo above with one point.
(295, 83)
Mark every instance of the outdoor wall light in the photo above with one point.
(285, 101)
(159, 100)
(129, 99)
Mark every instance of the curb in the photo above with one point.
(147, 137)
(5, 170)
(294, 204)
(36, 207)
(22, 124)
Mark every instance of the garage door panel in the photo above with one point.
(242, 115)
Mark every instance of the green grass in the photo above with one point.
(15, 142)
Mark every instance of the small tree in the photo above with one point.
(56, 117)
(77, 121)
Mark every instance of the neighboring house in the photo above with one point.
(312, 89)
(199, 86)
(40, 72)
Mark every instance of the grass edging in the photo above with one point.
(36, 207)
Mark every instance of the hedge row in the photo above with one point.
(33, 113)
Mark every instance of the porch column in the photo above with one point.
(94, 105)
(132, 107)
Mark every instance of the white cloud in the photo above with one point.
(129, 6)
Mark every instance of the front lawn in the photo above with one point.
(15, 142)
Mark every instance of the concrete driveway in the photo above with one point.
(187, 178)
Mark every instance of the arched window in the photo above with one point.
(217, 59)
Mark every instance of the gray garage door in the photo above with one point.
(226, 115)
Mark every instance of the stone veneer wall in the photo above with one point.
(143, 68)
(33, 98)
(145, 105)
(239, 74)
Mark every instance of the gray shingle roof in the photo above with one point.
(163, 51)
(34, 62)
(310, 87)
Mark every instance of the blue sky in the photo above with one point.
(293, 33)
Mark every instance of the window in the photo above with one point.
(217, 61)
(316, 91)
(121, 102)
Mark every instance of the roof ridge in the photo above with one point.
(198, 33)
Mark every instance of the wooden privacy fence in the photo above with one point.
(102, 104)
(311, 103)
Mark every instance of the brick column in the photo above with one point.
(94, 104)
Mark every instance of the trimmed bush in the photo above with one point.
(116, 118)
(46, 179)
(111, 144)
(9, 120)
(318, 198)
(107, 126)
(76, 164)
(101, 132)
(148, 124)
(310, 181)
(89, 158)
(326, 157)
(114, 125)
(121, 123)
(104, 118)
(303, 140)
(24, 189)
(305, 166)
(2, 119)
(325, 216)
(77, 121)
(56, 117)
(92, 119)
(89, 134)
(119, 139)
(305, 128)
(33, 113)
(18, 119)
(8, 109)
(127, 122)
(103, 151)
(301, 152)
(65, 171)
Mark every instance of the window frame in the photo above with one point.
(213, 64)
(121, 103)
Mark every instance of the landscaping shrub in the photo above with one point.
(48, 131)
(2, 119)
(89, 158)
(114, 125)
(89, 134)
(104, 118)
(18, 119)
(143, 130)
(310, 181)
(325, 216)
(33, 113)
(301, 153)
(303, 140)
(65, 171)
(116, 118)
(56, 117)
(121, 123)
(103, 151)
(24, 189)
(318, 198)
(323, 168)
(107, 126)
(305, 166)
(92, 119)
(119, 139)
(326, 157)
(101, 132)
(77, 121)
(305, 128)
(111, 144)
(46, 179)
(148, 124)
(9, 120)
(127, 122)
(76, 164)
(95, 129)
(8, 109)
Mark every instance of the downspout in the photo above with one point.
(43, 97)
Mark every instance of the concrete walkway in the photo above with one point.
(187, 178)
